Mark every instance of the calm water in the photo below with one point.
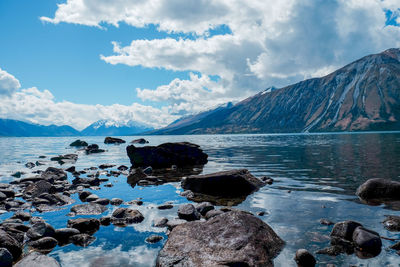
(316, 177)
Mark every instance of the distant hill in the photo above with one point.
(364, 95)
(20, 128)
(114, 128)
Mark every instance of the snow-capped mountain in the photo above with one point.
(364, 95)
(115, 128)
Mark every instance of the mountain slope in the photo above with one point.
(364, 95)
(20, 128)
(109, 127)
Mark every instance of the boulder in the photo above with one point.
(378, 189)
(160, 222)
(78, 143)
(40, 230)
(6, 259)
(140, 141)
(112, 140)
(105, 221)
(82, 240)
(221, 188)
(344, 230)
(116, 201)
(204, 207)
(85, 225)
(23, 216)
(2, 196)
(30, 165)
(88, 209)
(392, 223)
(165, 155)
(53, 174)
(367, 241)
(93, 149)
(106, 166)
(38, 188)
(68, 158)
(124, 216)
(101, 201)
(231, 239)
(11, 244)
(303, 258)
(7, 192)
(63, 234)
(35, 259)
(44, 244)
(188, 212)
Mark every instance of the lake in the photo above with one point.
(316, 176)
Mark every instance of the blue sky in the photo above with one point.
(74, 62)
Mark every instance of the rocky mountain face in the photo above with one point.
(20, 128)
(364, 95)
(109, 127)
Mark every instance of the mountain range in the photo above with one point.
(361, 96)
(101, 128)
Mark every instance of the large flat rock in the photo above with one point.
(165, 155)
(234, 238)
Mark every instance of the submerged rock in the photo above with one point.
(392, 223)
(223, 188)
(88, 209)
(113, 140)
(231, 239)
(378, 189)
(82, 240)
(124, 216)
(35, 259)
(154, 239)
(166, 155)
(78, 143)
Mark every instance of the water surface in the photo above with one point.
(316, 176)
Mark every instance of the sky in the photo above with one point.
(73, 62)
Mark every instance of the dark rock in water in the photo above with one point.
(140, 141)
(166, 155)
(70, 169)
(68, 158)
(344, 229)
(124, 216)
(85, 225)
(30, 165)
(45, 244)
(204, 207)
(154, 239)
(88, 209)
(35, 219)
(40, 230)
(367, 241)
(395, 246)
(93, 149)
(39, 163)
(17, 226)
(267, 180)
(378, 189)
(188, 212)
(23, 216)
(116, 201)
(36, 259)
(231, 239)
(106, 166)
(11, 244)
(112, 140)
(122, 168)
(17, 174)
(6, 259)
(42, 157)
(105, 221)
(53, 174)
(223, 188)
(165, 206)
(304, 258)
(78, 143)
(326, 222)
(38, 188)
(392, 223)
(89, 181)
(160, 222)
(7, 192)
(82, 240)
(171, 224)
(83, 195)
(92, 197)
(63, 234)
(102, 201)
(2, 196)
(134, 202)
(148, 170)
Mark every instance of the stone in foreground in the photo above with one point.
(230, 239)
(303, 258)
(165, 155)
(35, 259)
(378, 189)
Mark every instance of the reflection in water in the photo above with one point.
(316, 176)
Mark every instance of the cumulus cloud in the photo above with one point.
(8, 83)
(40, 107)
(269, 42)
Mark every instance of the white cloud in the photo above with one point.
(40, 107)
(8, 83)
(271, 42)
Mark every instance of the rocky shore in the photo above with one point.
(208, 231)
